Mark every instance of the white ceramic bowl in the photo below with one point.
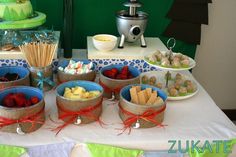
(104, 42)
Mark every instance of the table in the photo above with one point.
(129, 52)
(132, 54)
(197, 118)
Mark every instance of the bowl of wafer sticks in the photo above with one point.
(144, 104)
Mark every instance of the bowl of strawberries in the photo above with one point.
(13, 76)
(21, 109)
(114, 77)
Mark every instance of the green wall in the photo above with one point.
(98, 16)
(54, 11)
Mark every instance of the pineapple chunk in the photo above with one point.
(79, 93)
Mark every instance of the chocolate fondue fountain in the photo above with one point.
(131, 23)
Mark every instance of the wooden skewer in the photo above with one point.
(24, 52)
(30, 54)
(39, 54)
(48, 53)
(54, 47)
(44, 55)
(33, 54)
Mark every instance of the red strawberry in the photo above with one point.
(11, 95)
(27, 103)
(109, 74)
(20, 95)
(125, 70)
(115, 71)
(20, 101)
(34, 100)
(8, 102)
(106, 73)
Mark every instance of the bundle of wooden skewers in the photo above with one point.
(39, 54)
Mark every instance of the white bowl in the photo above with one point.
(104, 42)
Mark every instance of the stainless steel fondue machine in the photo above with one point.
(131, 23)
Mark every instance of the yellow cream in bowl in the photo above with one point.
(103, 38)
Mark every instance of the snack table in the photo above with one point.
(197, 118)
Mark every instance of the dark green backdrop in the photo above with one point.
(98, 16)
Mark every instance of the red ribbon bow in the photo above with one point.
(73, 115)
(33, 119)
(109, 90)
(148, 115)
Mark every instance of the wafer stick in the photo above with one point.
(52, 54)
(39, 54)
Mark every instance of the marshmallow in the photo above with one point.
(77, 67)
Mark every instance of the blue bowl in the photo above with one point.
(138, 109)
(117, 83)
(65, 77)
(77, 105)
(18, 113)
(134, 71)
(21, 71)
(89, 86)
(125, 93)
(28, 91)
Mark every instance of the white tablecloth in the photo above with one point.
(197, 118)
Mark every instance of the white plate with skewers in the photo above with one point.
(179, 86)
(177, 62)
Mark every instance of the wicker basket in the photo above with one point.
(140, 109)
(78, 105)
(21, 71)
(21, 113)
(114, 85)
(46, 72)
(64, 77)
